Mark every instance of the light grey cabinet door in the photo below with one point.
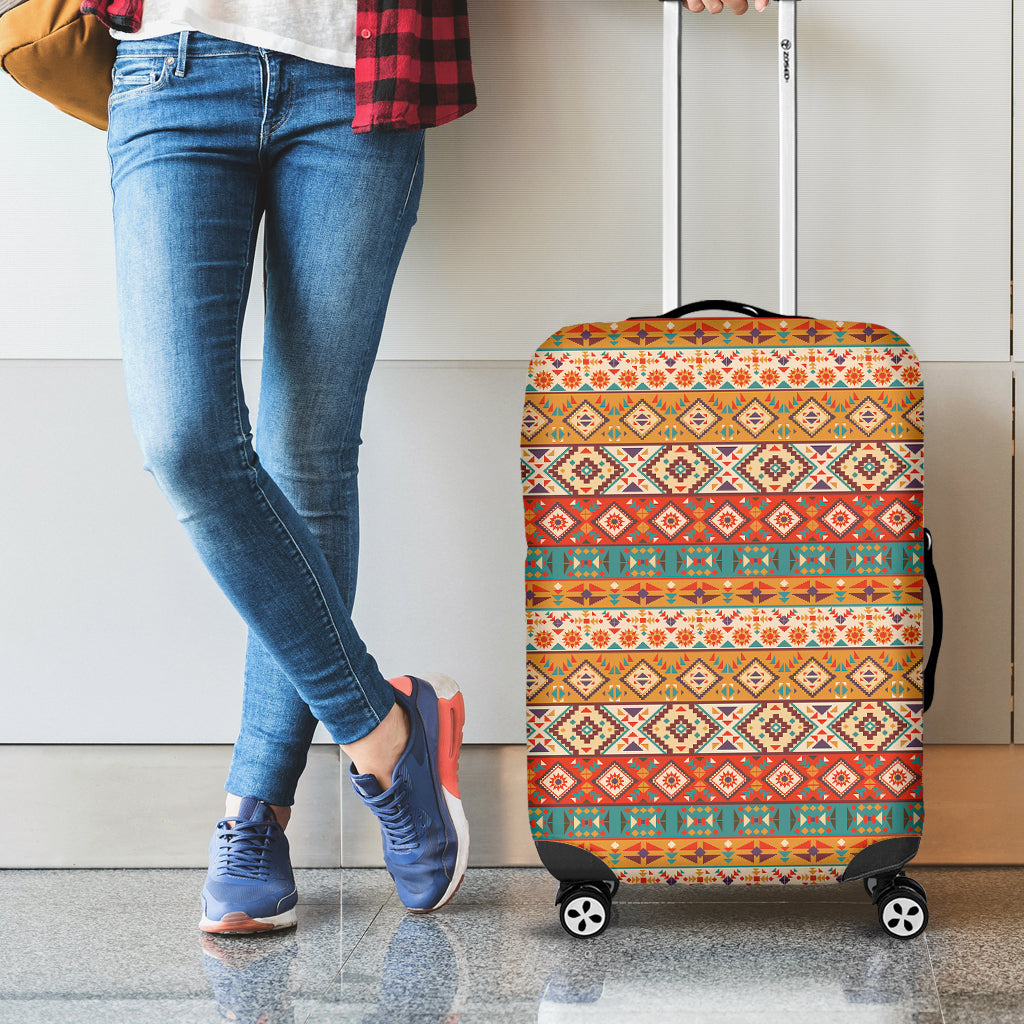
(969, 509)
(1018, 348)
(904, 207)
(544, 205)
(57, 260)
(904, 167)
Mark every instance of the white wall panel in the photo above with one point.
(1017, 126)
(904, 167)
(540, 208)
(111, 630)
(543, 206)
(969, 509)
(57, 285)
(443, 545)
(56, 263)
(97, 793)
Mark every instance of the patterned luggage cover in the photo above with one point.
(724, 595)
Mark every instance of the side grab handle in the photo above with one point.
(933, 588)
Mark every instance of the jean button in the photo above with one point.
(169, 60)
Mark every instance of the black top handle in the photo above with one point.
(726, 304)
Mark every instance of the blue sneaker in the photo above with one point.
(249, 887)
(426, 836)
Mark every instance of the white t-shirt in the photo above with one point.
(320, 30)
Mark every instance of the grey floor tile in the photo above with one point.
(498, 953)
(90, 934)
(360, 894)
(105, 1011)
(99, 946)
(83, 945)
(972, 1008)
(976, 939)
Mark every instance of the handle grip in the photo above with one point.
(932, 579)
(726, 304)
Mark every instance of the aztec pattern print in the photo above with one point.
(724, 595)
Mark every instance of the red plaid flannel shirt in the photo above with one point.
(413, 68)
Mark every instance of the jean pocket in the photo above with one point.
(135, 75)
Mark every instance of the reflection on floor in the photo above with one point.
(122, 946)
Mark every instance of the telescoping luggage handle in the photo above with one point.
(672, 138)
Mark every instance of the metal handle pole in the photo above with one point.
(671, 270)
(671, 140)
(787, 157)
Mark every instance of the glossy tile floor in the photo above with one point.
(122, 946)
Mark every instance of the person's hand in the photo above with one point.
(717, 6)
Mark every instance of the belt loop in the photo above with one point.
(179, 69)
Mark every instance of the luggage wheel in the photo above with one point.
(585, 907)
(902, 904)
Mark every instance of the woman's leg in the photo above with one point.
(189, 163)
(339, 209)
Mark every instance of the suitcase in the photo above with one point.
(724, 602)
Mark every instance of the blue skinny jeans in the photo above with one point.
(207, 137)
